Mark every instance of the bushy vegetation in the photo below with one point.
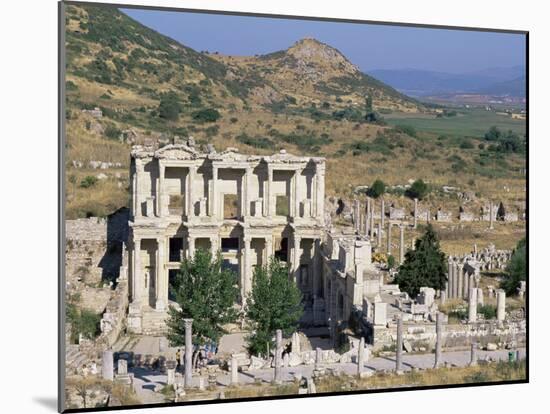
(488, 311)
(419, 189)
(423, 266)
(206, 115)
(274, 303)
(256, 142)
(376, 189)
(505, 142)
(516, 270)
(88, 181)
(83, 322)
(169, 106)
(205, 292)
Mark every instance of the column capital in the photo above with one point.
(188, 322)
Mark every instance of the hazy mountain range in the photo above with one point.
(504, 81)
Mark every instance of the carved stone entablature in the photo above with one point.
(229, 155)
(285, 158)
(178, 152)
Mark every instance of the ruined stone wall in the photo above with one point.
(454, 336)
(93, 250)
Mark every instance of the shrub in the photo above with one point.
(377, 189)
(488, 311)
(169, 107)
(88, 181)
(206, 115)
(419, 189)
(112, 132)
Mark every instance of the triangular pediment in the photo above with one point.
(177, 152)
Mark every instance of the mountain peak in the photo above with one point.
(311, 52)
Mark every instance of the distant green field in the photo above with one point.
(470, 122)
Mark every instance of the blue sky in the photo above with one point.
(366, 45)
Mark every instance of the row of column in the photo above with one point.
(365, 224)
(318, 191)
(458, 281)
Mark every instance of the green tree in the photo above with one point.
(391, 262)
(516, 270)
(206, 115)
(377, 189)
(170, 106)
(423, 266)
(419, 189)
(206, 293)
(274, 303)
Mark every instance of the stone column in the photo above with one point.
(399, 345)
(170, 372)
(268, 248)
(438, 337)
(137, 189)
(388, 247)
(491, 225)
(465, 284)
(455, 280)
(190, 191)
(137, 285)
(473, 354)
(361, 356)
(356, 219)
(501, 304)
(296, 256)
(449, 277)
(161, 285)
(245, 276)
(379, 237)
(107, 366)
(278, 350)
(296, 202)
(214, 245)
(316, 266)
(372, 219)
(234, 370)
(267, 197)
(318, 358)
(472, 305)
(247, 198)
(460, 280)
(367, 218)
(214, 195)
(320, 208)
(401, 244)
(415, 218)
(188, 352)
(443, 294)
(191, 247)
(382, 212)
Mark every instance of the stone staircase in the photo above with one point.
(153, 323)
(74, 359)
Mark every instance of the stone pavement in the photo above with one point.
(146, 380)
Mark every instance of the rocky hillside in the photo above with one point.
(308, 99)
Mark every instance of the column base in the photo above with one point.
(160, 305)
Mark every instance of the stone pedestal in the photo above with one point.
(107, 365)
(501, 304)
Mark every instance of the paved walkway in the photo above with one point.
(146, 380)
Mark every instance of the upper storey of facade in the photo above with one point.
(178, 183)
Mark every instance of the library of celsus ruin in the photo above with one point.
(247, 207)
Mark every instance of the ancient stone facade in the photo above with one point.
(249, 208)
